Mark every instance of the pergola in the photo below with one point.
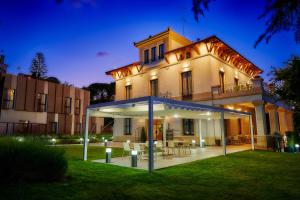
(151, 108)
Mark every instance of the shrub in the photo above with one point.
(292, 139)
(29, 161)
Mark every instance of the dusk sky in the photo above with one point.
(83, 40)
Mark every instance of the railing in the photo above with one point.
(232, 88)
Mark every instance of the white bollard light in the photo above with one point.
(134, 158)
(108, 155)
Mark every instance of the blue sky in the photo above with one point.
(83, 40)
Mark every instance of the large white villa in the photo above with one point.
(203, 91)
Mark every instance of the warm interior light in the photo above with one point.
(238, 109)
(193, 141)
(222, 69)
(230, 107)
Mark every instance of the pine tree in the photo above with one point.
(38, 67)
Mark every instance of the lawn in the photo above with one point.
(244, 175)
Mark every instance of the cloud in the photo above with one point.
(101, 53)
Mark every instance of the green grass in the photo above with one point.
(244, 175)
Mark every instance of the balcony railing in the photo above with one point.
(232, 88)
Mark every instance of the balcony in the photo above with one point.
(256, 86)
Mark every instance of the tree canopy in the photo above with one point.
(38, 67)
(279, 15)
(101, 92)
(287, 86)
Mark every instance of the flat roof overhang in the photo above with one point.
(162, 107)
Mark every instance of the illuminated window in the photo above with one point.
(146, 56)
(42, 102)
(186, 81)
(188, 126)
(77, 106)
(161, 51)
(128, 90)
(127, 126)
(154, 87)
(8, 101)
(153, 54)
(68, 105)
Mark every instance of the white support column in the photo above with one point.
(150, 134)
(251, 131)
(261, 124)
(200, 133)
(165, 132)
(86, 134)
(223, 132)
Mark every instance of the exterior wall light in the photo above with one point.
(127, 141)
(134, 158)
(176, 115)
(108, 155)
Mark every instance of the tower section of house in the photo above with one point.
(206, 71)
(37, 106)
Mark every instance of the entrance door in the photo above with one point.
(157, 129)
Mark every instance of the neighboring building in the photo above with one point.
(37, 106)
(207, 71)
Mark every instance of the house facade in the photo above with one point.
(207, 71)
(37, 106)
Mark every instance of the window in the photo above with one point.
(188, 126)
(161, 51)
(236, 81)
(153, 54)
(68, 105)
(41, 102)
(188, 55)
(181, 57)
(128, 89)
(127, 126)
(186, 79)
(221, 78)
(154, 87)
(8, 99)
(77, 106)
(146, 56)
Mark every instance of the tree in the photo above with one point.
(286, 81)
(101, 92)
(53, 79)
(280, 15)
(38, 67)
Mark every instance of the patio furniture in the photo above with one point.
(137, 147)
(126, 148)
(171, 146)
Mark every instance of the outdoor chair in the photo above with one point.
(140, 151)
(171, 146)
(126, 148)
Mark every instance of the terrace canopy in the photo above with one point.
(151, 108)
